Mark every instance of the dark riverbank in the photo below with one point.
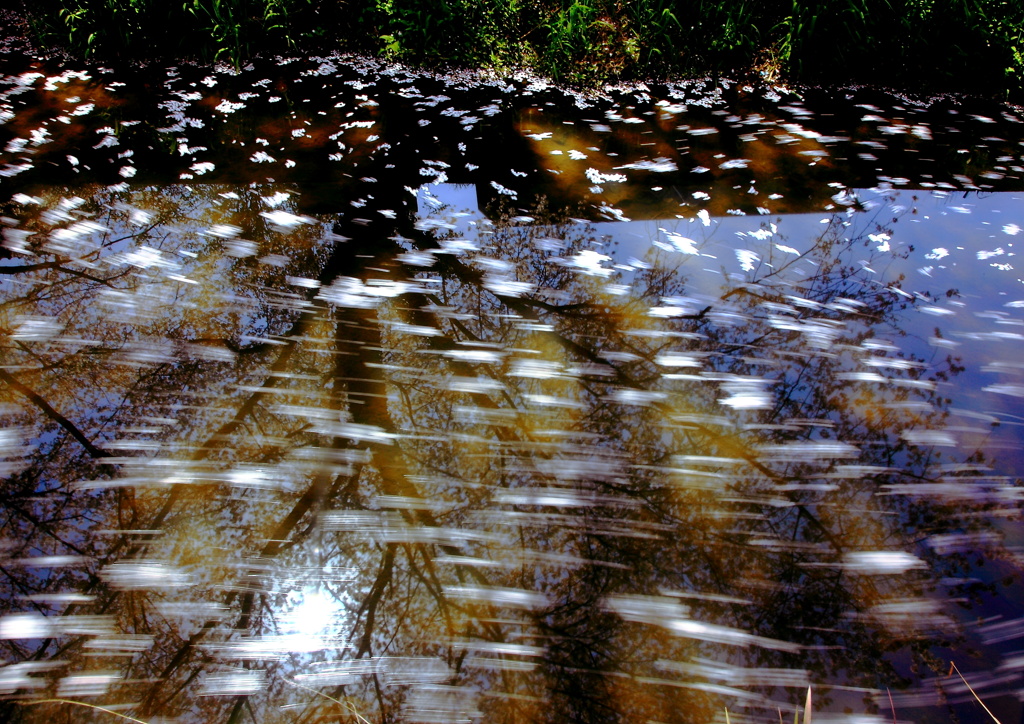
(966, 46)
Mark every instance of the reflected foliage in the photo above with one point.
(430, 467)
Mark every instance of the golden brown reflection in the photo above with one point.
(294, 468)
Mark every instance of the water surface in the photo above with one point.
(335, 391)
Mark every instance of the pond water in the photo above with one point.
(334, 391)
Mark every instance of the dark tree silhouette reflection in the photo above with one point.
(401, 467)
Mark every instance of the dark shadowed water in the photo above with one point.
(336, 392)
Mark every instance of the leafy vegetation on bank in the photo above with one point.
(973, 45)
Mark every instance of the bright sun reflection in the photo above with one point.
(315, 616)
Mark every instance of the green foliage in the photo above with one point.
(212, 29)
(973, 45)
(662, 30)
(569, 33)
(90, 25)
(442, 32)
(219, 19)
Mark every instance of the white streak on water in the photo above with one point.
(881, 562)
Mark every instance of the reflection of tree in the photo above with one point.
(418, 473)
